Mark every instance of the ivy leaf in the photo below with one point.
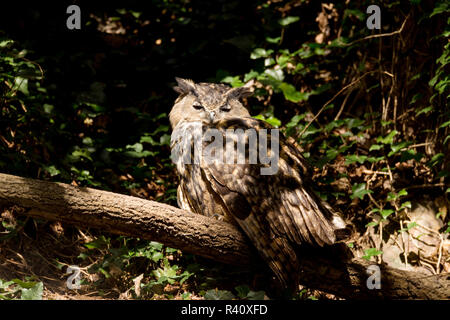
(288, 20)
(292, 94)
(260, 53)
(273, 121)
(33, 293)
(273, 40)
(52, 170)
(242, 291)
(397, 147)
(436, 159)
(440, 8)
(372, 224)
(22, 85)
(359, 191)
(219, 295)
(371, 253)
(424, 110)
(448, 229)
(386, 213)
(389, 139)
(406, 204)
(276, 74)
(445, 124)
(255, 295)
(355, 158)
(375, 147)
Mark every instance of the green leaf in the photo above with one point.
(33, 293)
(5, 43)
(292, 94)
(233, 81)
(440, 8)
(424, 110)
(406, 204)
(48, 108)
(260, 53)
(216, 294)
(371, 252)
(389, 138)
(375, 147)
(156, 256)
(99, 243)
(355, 158)
(256, 295)
(273, 40)
(275, 74)
(251, 75)
(22, 85)
(25, 284)
(5, 284)
(448, 229)
(445, 124)
(288, 20)
(156, 245)
(386, 213)
(273, 121)
(436, 159)
(242, 291)
(295, 120)
(359, 191)
(52, 170)
(372, 224)
(397, 147)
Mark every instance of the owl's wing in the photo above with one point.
(276, 211)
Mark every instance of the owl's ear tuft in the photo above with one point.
(241, 92)
(185, 86)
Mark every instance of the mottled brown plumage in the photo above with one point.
(277, 212)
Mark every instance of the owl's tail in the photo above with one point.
(276, 251)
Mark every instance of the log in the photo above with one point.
(203, 236)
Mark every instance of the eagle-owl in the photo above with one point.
(278, 212)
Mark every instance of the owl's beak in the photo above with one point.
(212, 115)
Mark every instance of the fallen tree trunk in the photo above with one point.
(220, 241)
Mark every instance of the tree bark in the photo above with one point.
(203, 236)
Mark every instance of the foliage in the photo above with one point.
(18, 289)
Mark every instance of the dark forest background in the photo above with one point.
(90, 107)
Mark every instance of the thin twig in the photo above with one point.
(405, 250)
(375, 172)
(426, 186)
(438, 263)
(378, 35)
(334, 97)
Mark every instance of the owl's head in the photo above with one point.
(207, 102)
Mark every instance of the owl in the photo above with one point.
(279, 212)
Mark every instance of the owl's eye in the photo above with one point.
(197, 106)
(225, 108)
